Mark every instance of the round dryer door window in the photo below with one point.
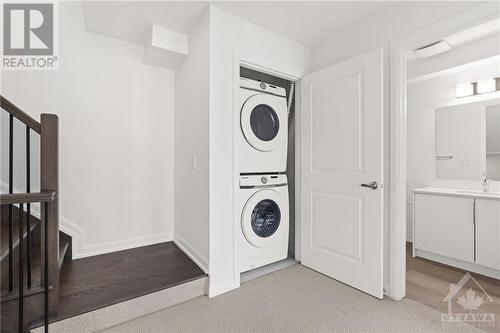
(264, 121)
(266, 218)
(261, 218)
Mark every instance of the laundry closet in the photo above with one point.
(265, 161)
(242, 155)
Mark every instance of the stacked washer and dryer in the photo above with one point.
(263, 187)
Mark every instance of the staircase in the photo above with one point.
(41, 284)
(32, 249)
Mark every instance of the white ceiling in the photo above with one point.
(131, 20)
(307, 22)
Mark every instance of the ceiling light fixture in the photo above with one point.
(465, 89)
(482, 86)
(486, 86)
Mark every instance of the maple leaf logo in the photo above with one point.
(470, 301)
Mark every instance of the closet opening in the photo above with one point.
(265, 162)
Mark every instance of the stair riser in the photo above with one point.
(35, 265)
(109, 316)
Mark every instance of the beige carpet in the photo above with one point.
(294, 299)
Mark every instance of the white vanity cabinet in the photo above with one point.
(445, 225)
(488, 233)
(458, 228)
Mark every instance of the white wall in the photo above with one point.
(191, 178)
(378, 33)
(424, 97)
(229, 34)
(116, 137)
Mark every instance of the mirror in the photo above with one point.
(468, 141)
(493, 142)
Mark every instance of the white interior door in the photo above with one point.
(341, 149)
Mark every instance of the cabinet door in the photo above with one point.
(445, 226)
(488, 233)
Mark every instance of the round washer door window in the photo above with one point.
(266, 217)
(264, 121)
(262, 217)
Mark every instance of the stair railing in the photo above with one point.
(47, 198)
(47, 128)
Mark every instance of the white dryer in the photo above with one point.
(263, 134)
(264, 226)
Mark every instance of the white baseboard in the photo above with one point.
(65, 225)
(80, 249)
(216, 290)
(192, 252)
(122, 244)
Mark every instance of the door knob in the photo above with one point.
(372, 185)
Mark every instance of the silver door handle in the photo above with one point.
(444, 157)
(372, 185)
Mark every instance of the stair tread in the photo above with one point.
(4, 236)
(34, 290)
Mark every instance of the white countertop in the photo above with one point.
(457, 192)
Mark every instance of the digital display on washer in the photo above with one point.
(264, 122)
(266, 218)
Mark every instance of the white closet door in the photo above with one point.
(341, 148)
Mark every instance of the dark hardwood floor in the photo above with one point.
(94, 282)
(428, 282)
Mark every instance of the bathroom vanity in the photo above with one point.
(460, 228)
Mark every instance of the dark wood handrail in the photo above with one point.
(20, 115)
(22, 198)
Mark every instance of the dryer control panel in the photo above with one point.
(248, 181)
(262, 86)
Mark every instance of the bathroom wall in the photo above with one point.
(423, 99)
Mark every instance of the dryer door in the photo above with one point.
(264, 121)
(261, 218)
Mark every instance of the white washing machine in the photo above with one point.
(263, 134)
(264, 226)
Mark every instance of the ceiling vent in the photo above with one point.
(432, 49)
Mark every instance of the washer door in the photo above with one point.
(262, 116)
(261, 218)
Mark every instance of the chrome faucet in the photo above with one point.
(485, 183)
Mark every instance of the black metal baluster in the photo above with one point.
(46, 268)
(28, 208)
(21, 270)
(11, 188)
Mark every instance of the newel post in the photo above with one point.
(49, 181)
